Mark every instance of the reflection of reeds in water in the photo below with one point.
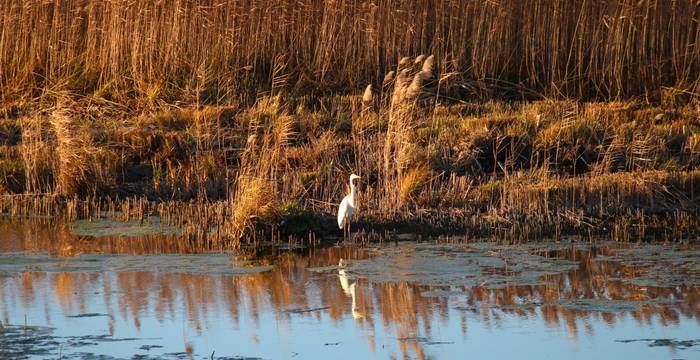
(398, 306)
(57, 240)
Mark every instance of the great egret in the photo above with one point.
(347, 207)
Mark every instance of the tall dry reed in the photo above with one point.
(610, 48)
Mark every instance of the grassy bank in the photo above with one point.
(514, 170)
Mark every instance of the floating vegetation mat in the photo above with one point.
(658, 265)
(672, 343)
(23, 342)
(210, 264)
(494, 265)
(30, 342)
(483, 264)
(106, 227)
(609, 305)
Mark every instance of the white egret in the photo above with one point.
(347, 207)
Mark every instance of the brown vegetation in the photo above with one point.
(509, 170)
(157, 50)
(224, 115)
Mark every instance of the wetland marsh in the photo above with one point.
(171, 171)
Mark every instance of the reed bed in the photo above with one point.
(158, 50)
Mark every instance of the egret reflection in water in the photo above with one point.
(348, 288)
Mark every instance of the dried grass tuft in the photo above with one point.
(413, 182)
(254, 198)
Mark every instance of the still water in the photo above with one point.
(64, 296)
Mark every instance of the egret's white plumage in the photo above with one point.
(347, 206)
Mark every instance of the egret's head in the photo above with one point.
(353, 177)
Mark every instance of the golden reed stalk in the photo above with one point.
(610, 48)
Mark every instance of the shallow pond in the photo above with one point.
(70, 296)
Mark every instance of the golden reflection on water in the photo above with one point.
(57, 240)
(399, 307)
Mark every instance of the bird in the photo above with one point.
(347, 207)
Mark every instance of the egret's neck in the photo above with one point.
(352, 189)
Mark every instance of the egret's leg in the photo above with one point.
(345, 230)
(349, 233)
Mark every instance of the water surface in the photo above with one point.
(67, 296)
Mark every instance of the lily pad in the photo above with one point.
(521, 306)
(306, 310)
(442, 293)
(88, 315)
(423, 340)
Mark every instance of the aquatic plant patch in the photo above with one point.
(210, 264)
(673, 343)
(609, 305)
(658, 265)
(105, 227)
(458, 264)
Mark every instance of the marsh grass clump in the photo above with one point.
(253, 199)
(410, 99)
(36, 150)
(413, 182)
(83, 167)
(73, 158)
(256, 193)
